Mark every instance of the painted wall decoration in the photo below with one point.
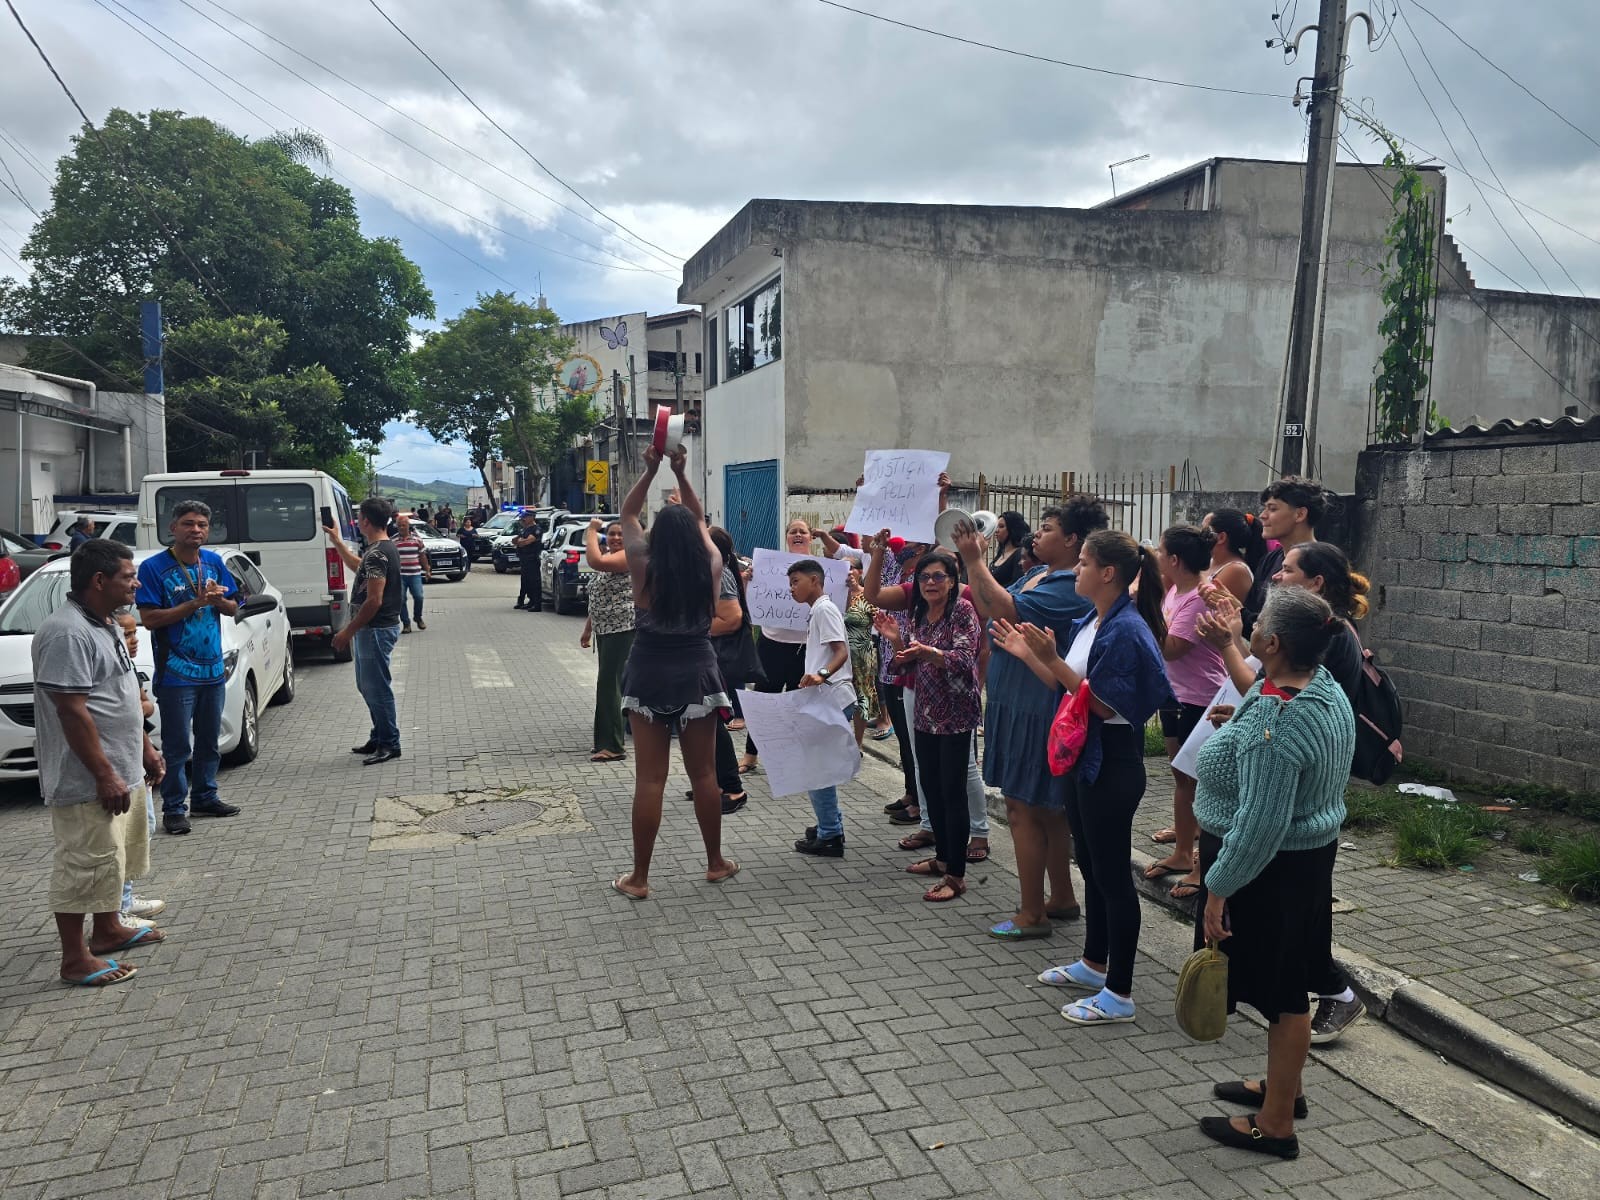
(603, 348)
(580, 375)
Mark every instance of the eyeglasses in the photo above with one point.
(934, 577)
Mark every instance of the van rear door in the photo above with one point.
(280, 527)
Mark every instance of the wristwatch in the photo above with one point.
(824, 673)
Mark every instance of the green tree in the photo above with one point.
(477, 379)
(179, 209)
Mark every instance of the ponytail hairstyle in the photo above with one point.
(1302, 622)
(1115, 549)
(1190, 545)
(1345, 590)
(1243, 531)
(919, 604)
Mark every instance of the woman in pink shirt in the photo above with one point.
(1195, 670)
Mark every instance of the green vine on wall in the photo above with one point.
(1407, 325)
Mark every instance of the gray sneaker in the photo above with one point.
(1333, 1017)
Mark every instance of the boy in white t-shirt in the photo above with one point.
(827, 665)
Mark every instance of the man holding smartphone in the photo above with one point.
(374, 627)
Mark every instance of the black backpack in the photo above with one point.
(1379, 719)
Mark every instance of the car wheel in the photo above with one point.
(285, 692)
(500, 567)
(249, 729)
(456, 576)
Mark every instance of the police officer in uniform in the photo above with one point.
(527, 542)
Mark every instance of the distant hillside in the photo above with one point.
(410, 492)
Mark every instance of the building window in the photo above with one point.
(755, 329)
(663, 360)
(697, 362)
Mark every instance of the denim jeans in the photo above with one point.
(825, 803)
(410, 598)
(191, 726)
(372, 649)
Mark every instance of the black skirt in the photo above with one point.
(672, 677)
(1281, 923)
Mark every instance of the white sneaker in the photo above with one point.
(146, 908)
(133, 922)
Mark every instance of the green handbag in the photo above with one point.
(1202, 1001)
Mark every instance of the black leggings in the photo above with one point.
(783, 663)
(942, 760)
(727, 760)
(894, 699)
(1101, 817)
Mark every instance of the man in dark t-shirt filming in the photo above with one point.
(374, 627)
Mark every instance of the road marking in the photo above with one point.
(575, 660)
(485, 670)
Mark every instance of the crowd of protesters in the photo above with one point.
(949, 649)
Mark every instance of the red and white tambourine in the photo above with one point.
(669, 428)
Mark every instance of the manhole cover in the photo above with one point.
(475, 820)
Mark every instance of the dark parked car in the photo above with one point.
(29, 555)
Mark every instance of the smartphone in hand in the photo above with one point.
(327, 518)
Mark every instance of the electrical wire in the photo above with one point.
(677, 258)
(1520, 286)
(1464, 286)
(400, 112)
(103, 4)
(1040, 58)
(1581, 132)
(29, 159)
(1421, 49)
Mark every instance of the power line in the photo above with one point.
(1519, 284)
(1040, 58)
(132, 178)
(465, 96)
(353, 154)
(1472, 133)
(1464, 287)
(1584, 133)
(400, 112)
(29, 159)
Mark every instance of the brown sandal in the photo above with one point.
(927, 866)
(978, 854)
(919, 840)
(948, 888)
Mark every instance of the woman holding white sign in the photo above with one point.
(672, 680)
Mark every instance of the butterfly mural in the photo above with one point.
(615, 337)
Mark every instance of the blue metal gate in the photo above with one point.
(750, 504)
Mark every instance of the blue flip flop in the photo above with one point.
(90, 980)
(1010, 931)
(139, 936)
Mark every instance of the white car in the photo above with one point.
(256, 651)
(118, 524)
(445, 554)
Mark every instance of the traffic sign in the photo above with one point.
(597, 477)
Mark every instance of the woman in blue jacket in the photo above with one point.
(1117, 650)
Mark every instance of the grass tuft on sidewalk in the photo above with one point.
(1438, 837)
(1574, 867)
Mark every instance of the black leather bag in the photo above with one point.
(737, 658)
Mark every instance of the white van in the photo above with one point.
(275, 518)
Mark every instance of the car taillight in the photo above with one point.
(335, 571)
(55, 546)
(573, 556)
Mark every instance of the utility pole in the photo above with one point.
(1305, 318)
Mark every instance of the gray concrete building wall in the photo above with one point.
(1484, 554)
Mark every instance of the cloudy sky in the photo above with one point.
(667, 117)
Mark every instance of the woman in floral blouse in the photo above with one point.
(942, 654)
(610, 625)
(858, 616)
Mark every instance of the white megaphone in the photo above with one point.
(944, 526)
(669, 428)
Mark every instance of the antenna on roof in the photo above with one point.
(1112, 167)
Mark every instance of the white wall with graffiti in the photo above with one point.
(601, 356)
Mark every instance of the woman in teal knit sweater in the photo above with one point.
(1270, 804)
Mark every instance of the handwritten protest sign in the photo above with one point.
(899, 492)
(805, 740)
(1188, 755)
(771, 605)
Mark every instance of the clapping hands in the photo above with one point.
(1024, 640)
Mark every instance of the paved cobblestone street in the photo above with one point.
(490, 1020)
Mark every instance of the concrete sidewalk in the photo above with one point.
(1495, 978)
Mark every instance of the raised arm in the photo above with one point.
(635, 546)
(993, 601)
(891, 598)
(614, 562)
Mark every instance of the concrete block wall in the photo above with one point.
(1484, 554)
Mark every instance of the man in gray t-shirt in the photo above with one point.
(94, 758)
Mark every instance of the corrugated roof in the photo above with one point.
(1564, 429)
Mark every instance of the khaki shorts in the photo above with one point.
(95, 852)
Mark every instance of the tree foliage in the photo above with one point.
(1408, 290)
(477, 379)
(272, 296)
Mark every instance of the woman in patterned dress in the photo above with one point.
(858, 616)
(610, 627)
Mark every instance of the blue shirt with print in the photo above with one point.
(189, 652)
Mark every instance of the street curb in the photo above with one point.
(1423, 1013)
(1445, 1026)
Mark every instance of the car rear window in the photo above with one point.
(279, 512)
(218, 496)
